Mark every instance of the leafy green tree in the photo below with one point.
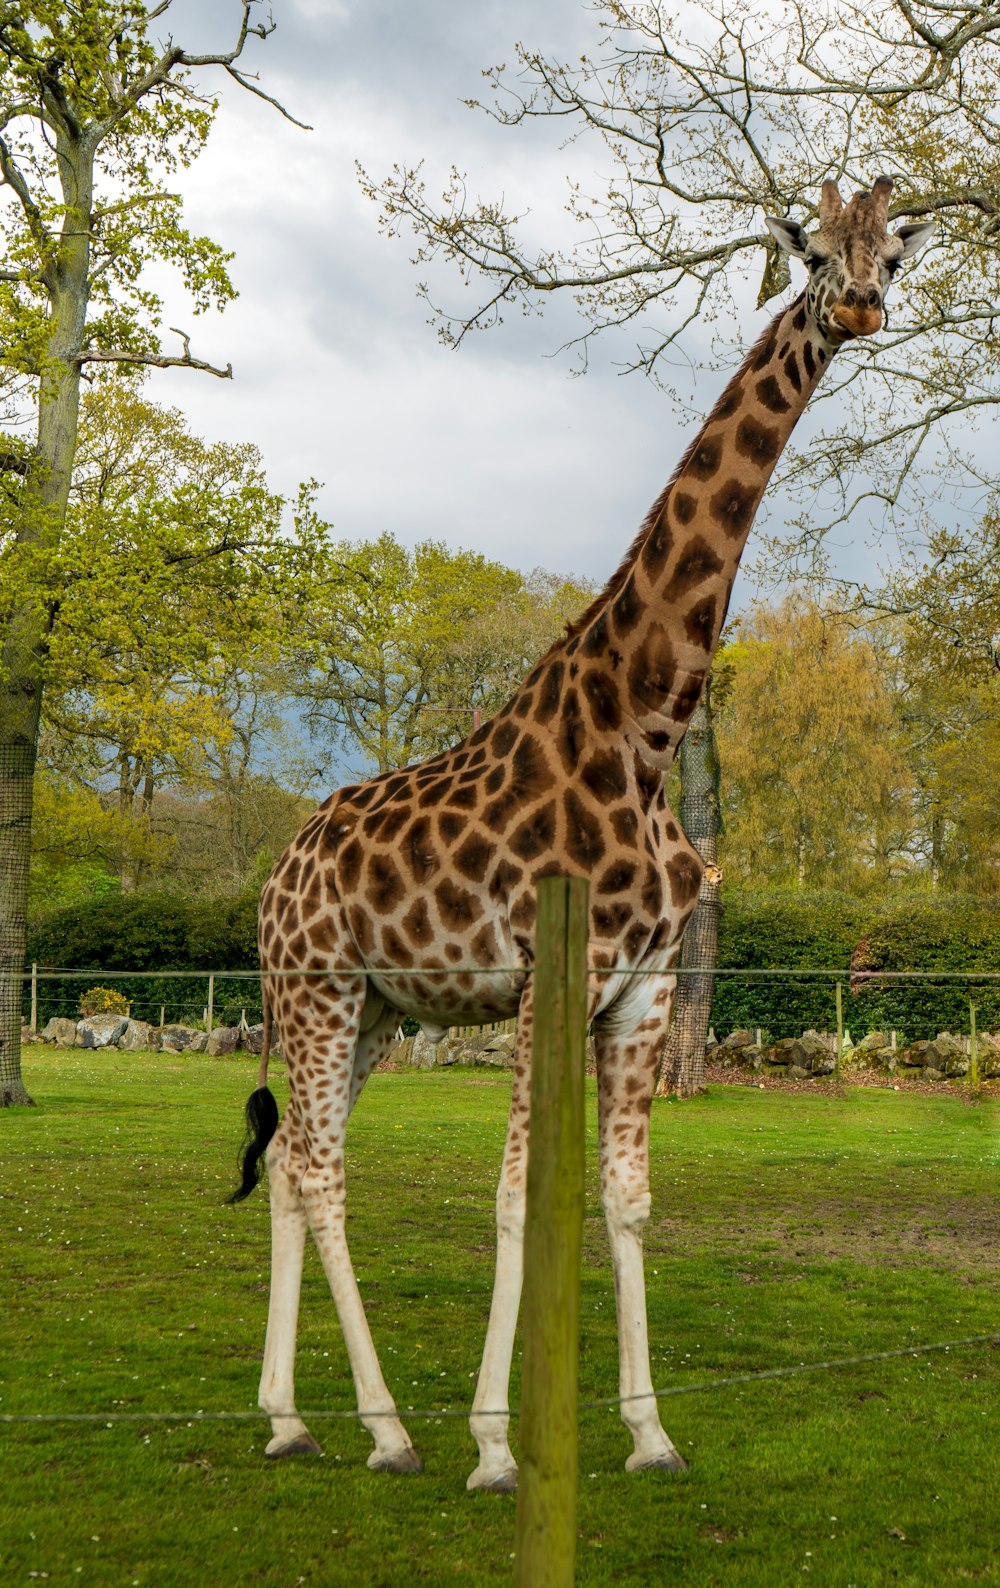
(405, 645)
(166, 587)
(95, 118)
(836, 813)
(937, 664)
(81, 845)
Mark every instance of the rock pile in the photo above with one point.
(134, 1036)
(943, 1058)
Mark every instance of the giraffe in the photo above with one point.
(413, 893)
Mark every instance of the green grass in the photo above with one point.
(785, 1229)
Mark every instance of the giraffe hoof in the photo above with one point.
(670, 1461)
(302, 1445)
(405, 1460)
(503, 1483)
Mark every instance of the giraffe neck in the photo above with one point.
(654, 630)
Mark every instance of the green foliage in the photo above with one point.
(103, 1001)
(149, 932)
(814, 782)
(88, 83)
(823, 932)
(403, 645)
(783, 931)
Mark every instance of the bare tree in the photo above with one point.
(704, 119)
(94, 118)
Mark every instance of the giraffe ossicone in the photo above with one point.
(414, 893)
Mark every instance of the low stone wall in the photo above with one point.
(117, 1031)
(944, 1058)
(813, 1054)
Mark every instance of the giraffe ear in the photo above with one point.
(788, 235)
(913, 237)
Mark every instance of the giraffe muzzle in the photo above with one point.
(859, 311)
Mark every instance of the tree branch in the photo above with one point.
(156, 360)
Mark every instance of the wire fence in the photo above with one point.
(770, 1001)
(439, 1413)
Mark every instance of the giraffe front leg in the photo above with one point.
(490, 1420)
(626, 1081)
(291, 1437)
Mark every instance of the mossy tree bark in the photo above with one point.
(682, 1068)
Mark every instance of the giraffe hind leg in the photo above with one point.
(323, 1196)
(290, 1436)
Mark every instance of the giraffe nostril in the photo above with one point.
(850, 298)
(874, 298)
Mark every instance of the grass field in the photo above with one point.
(785, 1229)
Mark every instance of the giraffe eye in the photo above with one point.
(814, 262)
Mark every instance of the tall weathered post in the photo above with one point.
(545, 1534)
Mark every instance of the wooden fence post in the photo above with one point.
(211, 1003)
(34, 998)
(545, 1531)
(973, 1046)
(840, 1022)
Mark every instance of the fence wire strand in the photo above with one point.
(868, 977)
(731, 1381)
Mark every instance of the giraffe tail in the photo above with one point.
(261, 1119)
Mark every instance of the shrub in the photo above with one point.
(145, 933)
(103, 1001)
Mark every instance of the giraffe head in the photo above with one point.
(851, 259)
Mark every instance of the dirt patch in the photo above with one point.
(841, 1086)
(954, 1234)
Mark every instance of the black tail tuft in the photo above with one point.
(262, 1122)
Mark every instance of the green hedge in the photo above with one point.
(824, 932)
(144, 932)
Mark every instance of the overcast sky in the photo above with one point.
(337, 374)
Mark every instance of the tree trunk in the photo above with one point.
(682, 1066)
(43, 515)
(19, 715)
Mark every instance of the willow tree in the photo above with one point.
(96, 117)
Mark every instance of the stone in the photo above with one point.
(915, 1056)
(948, 1054)
(930, 1074)
(61, 1032)
(176, 1038)
(222, 1040)
(423, 1052)
(199, 1042)
(787, 1050)
(100, 1031)
(988, 1055)
(253, 1041)
(873, 1042)
(738, 1039)
(140, 1037)
(795, 1072)
(498, 1050)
